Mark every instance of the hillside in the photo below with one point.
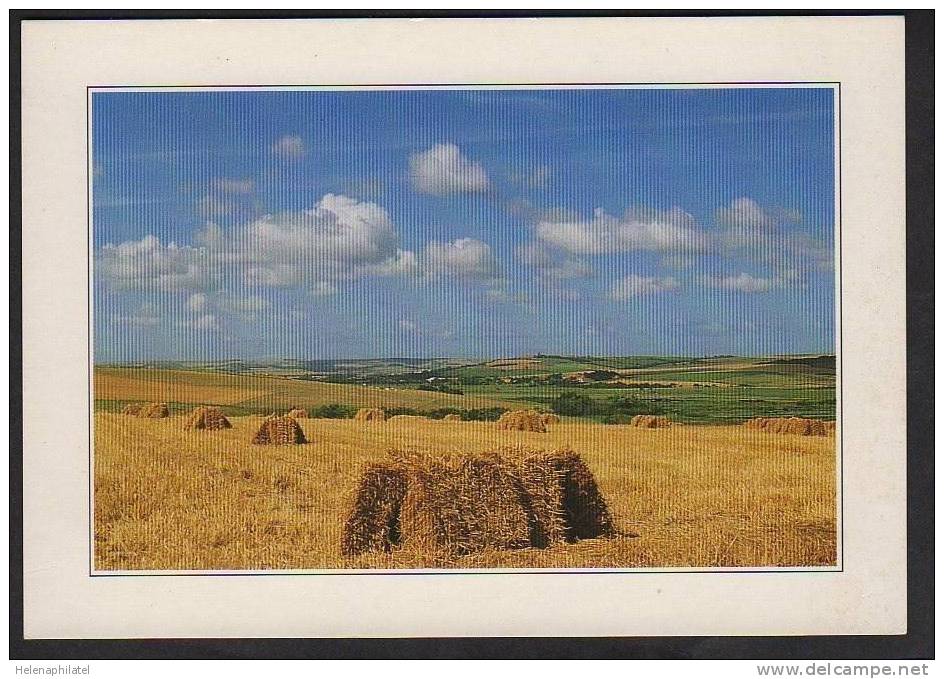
(251, 394)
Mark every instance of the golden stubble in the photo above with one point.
(687, 496)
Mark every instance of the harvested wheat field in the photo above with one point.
(693, 496)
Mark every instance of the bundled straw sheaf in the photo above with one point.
(207, 417)
(800, 426)
(650, 421)
(297, 414)
(452, 417)
(550, 418)
(279, 431)
(522, 420)
(132, 409)
(456, 505)
(373, 522)
(370, 415)
(154, 410)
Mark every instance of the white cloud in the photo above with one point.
(552, 263)
(743, 282)
(443, 169)
(745, 213)
(290, 146)
(462, 258)
(403, 263)
(197, 302)
(148, 264)
(672, 231)
(634, 285)
(338, 239)
(763, 235)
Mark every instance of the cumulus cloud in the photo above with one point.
(443, 169)
(462, 258)
(552, 263)
(745, 213)
(753, 232)
(148, 264)
(634, 285)
(743, 282)
(339, 238)
(403, 263)
(291, 146)
(672, 231)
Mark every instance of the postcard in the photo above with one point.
(341, 330)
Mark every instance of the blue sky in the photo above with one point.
(479, 223)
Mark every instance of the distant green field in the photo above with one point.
(697, 390)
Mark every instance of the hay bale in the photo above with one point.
(279, 431)
(207, 417)
(829, 427)
(463, 504)
(758, 423)
(297, 414)
(799, 426)
(373, 521)
(460, 504)
(522, 420)
(132, 409)
(154, 410)
(370, 415)
(650, 421)
(452, 417)
(581, 505)
(550, 418)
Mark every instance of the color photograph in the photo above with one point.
(464, 328)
